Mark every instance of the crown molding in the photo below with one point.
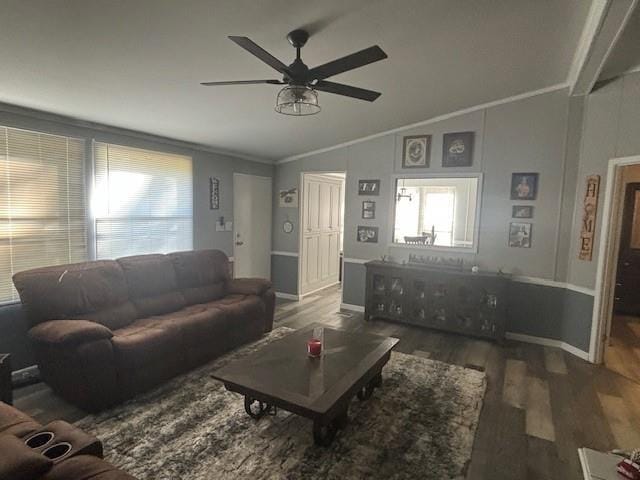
(79, 123)
(595, 17)
(475, 108)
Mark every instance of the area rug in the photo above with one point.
(420, 424)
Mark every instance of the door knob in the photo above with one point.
(239, 243)
(626, 264)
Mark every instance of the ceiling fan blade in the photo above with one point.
(350, 62)
(243, 82)
(346, 90)
(261, 53)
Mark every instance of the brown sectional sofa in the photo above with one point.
(19, 462)
(107, 330)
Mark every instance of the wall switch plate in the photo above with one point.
(219, 228)
(228, 226)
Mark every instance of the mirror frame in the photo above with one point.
(435, 248)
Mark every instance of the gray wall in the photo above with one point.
(527, 135)
(611, 129)
(538, 134)
(205, 164)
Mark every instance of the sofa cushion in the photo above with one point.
(146, 354)
(151, 280)
(249, 286)
(202, 274)
(19, 462)
(76, 290)
(16, 422)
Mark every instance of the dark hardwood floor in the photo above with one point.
(541, 403)
(622, 355)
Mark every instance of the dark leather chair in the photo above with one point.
(19, 462)
(108, 330)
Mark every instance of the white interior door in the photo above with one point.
(252, 226)
(321, 234)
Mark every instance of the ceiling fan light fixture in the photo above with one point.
(297, 100)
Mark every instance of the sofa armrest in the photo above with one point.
(19, 462)
(69, 332)
(249, 286)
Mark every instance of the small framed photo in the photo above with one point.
(368, 187)
(457, 149)
(367, 234)
(416, 151)
(522, 211)
(520, 235)
(368, 210)
(524, 186)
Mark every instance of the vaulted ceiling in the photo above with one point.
(137, 64)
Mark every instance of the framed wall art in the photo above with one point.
(520, 235)
(522, 211)
(416, 151)
(524, 186)
(368, 187)
(288, 198)
(368, 210)
(457, 149)
(367, 234)
(589, 211)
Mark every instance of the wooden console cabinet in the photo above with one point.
(455, 301)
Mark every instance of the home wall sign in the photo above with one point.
(214, 193)
(589, 211)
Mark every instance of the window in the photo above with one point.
(436, 212)
(142, 202)
(42, 205)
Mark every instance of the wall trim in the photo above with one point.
(355, 260)
(548, 342)
(282, 253)
(150, 137)
(287, 296)
(595, 17)
(521, 279)
(552, 283)
(349, 306)
(439, 118)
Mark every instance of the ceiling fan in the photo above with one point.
(299, 97)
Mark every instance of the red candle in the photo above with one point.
(314, 347)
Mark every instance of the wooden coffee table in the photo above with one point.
(282, 375)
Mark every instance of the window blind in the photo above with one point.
(143, 201)
(42, 204)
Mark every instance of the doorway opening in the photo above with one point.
(617, 302)
(321, 231)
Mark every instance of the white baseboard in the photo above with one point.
(287, 296)
(549, 342)
(348, 306)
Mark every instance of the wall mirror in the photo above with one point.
(437, 212)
